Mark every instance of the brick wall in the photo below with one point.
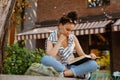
(53, 9)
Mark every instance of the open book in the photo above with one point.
(79, 60)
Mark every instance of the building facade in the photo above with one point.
(52, 10)
(48, 13)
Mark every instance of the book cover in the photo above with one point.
(79, 60)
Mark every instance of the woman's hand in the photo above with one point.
(63, 30)
(62, 38)
(93, 56)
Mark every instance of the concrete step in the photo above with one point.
(28, 77)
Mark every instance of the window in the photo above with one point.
(95, 3)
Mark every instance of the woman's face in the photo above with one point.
(66, 29)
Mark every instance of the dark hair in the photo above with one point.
(71, 17)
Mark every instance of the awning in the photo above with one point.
(116, 26)
(91, 28)
(80, 29)
(38, 33)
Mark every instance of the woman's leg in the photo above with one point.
(84, 68)
(68, 73)
(50, 61)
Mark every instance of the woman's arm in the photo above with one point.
(78, 47)
(53, 50)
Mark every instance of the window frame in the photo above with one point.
(95, 4)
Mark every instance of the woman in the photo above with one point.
(60, 46)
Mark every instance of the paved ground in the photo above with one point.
(22, 77)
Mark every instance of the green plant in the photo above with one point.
(17, 59)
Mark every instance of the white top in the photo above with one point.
(64, 54)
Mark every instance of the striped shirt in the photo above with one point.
(64, 54)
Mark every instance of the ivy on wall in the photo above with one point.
(18, 11)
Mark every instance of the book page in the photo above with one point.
(79, 58)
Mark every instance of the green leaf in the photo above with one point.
(19, 59)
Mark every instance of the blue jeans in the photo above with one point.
(88, 66)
